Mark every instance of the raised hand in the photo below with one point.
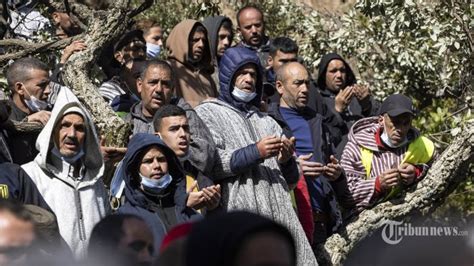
(269, 146)
(343, 99)
(310, 168)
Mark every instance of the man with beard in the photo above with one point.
(251, 26)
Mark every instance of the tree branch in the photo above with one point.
(446, 173)
(33, 48)
(144, 6)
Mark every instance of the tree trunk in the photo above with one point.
(105, 26)
(445, 174)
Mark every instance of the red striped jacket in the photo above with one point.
(366, 133)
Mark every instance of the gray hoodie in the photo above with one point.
(79, 203)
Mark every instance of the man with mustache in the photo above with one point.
(156, 85)
(345, 99)
(251, 26)
(68, 171)
(190, 58)
(255, 165)
(385, 154)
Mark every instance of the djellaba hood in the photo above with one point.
(233, 59)
(323, 67)
(92, 160)
(178, 44)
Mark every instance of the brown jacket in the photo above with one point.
(194, 84)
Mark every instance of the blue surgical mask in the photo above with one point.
(155, 186)
(243, 95)
(34, 104)
(386, 139)
(153, 50)
(72, 159)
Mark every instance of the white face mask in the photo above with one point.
(34, 104)
(386, 139)
(243, 95)
(153, 50)
(155, 186)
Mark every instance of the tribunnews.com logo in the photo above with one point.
(394, 231)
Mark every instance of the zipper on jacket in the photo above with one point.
(82, 230)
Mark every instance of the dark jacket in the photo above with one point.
(15, 184)
(321, 194)
(354, 111)
(202, 147)
(230, 64)
(160, 212)
(21, 144)
(5, 155)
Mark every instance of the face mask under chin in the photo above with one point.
(243, 96)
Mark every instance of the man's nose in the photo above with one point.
(47, 90)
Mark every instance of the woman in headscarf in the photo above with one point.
(154, 186)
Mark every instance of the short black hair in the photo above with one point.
(108, 232)
(246, 8)
(20, 70)
(16, 209)
(283, 44)
(158, 63)
(166, 111)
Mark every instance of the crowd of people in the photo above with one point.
(237, 155)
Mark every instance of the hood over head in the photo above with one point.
(225, 235)
(232, 60)
(136, 148)
(67, 103)
(213, 24)
(178, 43)
(323, 66)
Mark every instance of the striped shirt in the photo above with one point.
(363, 134)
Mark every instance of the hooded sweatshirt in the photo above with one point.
(213, 25)
(163, 211)
(193, 83)
(365, 133)
(249, 182)
(78, 202)
(353, 111)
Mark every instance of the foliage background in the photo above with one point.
(420, 48)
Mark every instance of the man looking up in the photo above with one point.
(171, 124)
